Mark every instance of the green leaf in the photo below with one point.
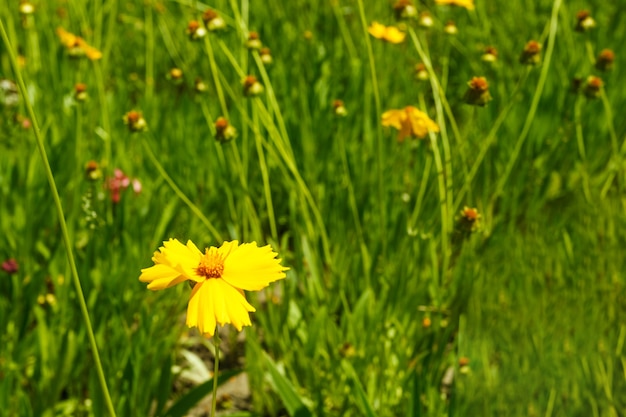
(361, 395)
(284, 388)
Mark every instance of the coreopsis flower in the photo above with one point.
(593, 87)
(531, 55)
(339, 108)
(10, 266)
(213, 21)
(195, 31)
(490, 54)
(135, 121)
(224, 131)
(251, 86)
(76, 46)
(478, 92)
(389, 34)
(404, 9)
(584, 21)
(266, 56)
(254, 41)
(468, 4)
(219, 277)
(409, 122)
(80, 92)
(605, 60)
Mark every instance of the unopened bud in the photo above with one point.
(224, 131)
(478, 92)
(531, 55)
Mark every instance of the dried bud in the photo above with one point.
(584, 21)
(93, 171)
(135, 121)
(404, 9)
(490, 54)
(195, 31)
(478, 92)
(266, 56)
(254, 42)
(450, 28)
(605, 60)
(213, 21)
(339, 109)
(252, 87)
(531, 55)
(80, 92)
(224, 131)
(593, 87)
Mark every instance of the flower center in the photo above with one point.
(211, 264)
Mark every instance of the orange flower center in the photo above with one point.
(211, 265)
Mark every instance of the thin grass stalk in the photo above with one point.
(380, 156)
(63, 225)
(545, 70)
(152, 157)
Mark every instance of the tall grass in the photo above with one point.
(392, 305)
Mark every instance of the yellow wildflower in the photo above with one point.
(77, 45)
(219, 277)
(409, 122)
(468, 4)
(390, 34)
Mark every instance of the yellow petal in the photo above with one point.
(377, 30)
(214, 302)
(468, 4)
(393, 118)
(173, 263)
(68, 39)
(394, 35)
(250, 267)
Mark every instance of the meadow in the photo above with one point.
(445, 183)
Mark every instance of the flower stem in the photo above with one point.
(59, 208)
(216, 343)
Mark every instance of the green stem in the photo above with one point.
(216, 368)
(380, 157)
(64, 231)
(179, 192)
(535, 103)
(216, 76)
(579, 130)
(265, 176)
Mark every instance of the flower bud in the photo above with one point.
(450, 28)
(80, 92)
(224, 131)
(93, 171)
(593, 87)
(478, 92)
(421, 73)
(254, 42)
(469, 221)
(425, 20)
(605, 60)
(252, 87)
(266, 56)
(339, 109)
(175, 75)
(584, 21)
(490, 54)
(135, 121)
(195, 31)
(213, 21)
(26, 7)
(531, 55)
(200, 86)
(404, 9)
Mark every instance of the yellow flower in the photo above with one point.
(219, 276)
(409, 122)
(390, 34)
(468, 4)
(77, 45)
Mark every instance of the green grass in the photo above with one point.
(369, 227)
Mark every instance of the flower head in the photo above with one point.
(531, 55)
(10, 266)
(339, 108)
(219, 277)
(390, 34)
(251, 86)
(224, 131)
(593, 87)
(77, 46)
(468, 4)
(135, 121)
(195, 31)
(404, 9)
(478, 92)
(605, 60)
(584, 21)
(213, 20)
(409, 122)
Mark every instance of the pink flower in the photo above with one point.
(119, 182)
(10, 266)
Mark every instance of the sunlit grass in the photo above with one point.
(475, 269)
